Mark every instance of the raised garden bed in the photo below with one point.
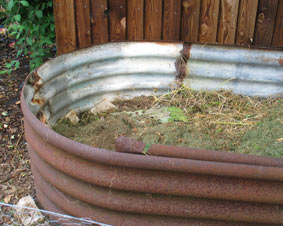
(186, 188)
(204, 120)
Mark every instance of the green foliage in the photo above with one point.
(31, 24)
(177, 114)
(265, 139)
(146, 148)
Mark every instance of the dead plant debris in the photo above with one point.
(209, 120)
(15, 174)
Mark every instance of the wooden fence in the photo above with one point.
(82, 23)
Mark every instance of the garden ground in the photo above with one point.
(15, 175)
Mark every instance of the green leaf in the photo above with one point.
(17, 17)
(29, 41)
(17, 64)
(177, 114)
(146, 148)
(10, 5)
(9, 65)
(34, 36)
(24, 3)
(19, 52)
(4, 72)
(38, 13)
(52, 27)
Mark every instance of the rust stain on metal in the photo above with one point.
(38, 100)
(42, 118)
(128, 145)
(164, 205)
(281, 62)
(181, 63)
(186, 50)
(35, 80)
(52, 199)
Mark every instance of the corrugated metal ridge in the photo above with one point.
(49, 196)
(198, 189)
(140, 66)
(216, 53)
(249, 72)
(177, 207)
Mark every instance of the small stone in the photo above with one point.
(5, 113)
(72, 116)
(8, 198)
(103, 105)
(27, 216)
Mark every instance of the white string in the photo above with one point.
(55, 214)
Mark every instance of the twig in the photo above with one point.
(233, 123)
(18, 141)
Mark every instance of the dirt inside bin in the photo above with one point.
(208, 120)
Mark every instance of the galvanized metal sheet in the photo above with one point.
(80, 79)
(244, 71)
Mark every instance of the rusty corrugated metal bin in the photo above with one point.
(124, 188)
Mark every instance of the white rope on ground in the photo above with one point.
(82, 220)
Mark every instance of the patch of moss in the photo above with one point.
(265, 139)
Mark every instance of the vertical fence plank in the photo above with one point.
(278, 30)
(117, 19)
(265, 22)
(65, 26)
(153, 19)
(246, 22)
(209, 21)
(228, 21)
(190, 20)
(83, 23)
(99, 21)
(135, 19)
(171, 19)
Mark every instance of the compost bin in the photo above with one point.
(119, 188)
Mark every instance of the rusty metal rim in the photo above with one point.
(128, 145)
(162, 205)
(51, 206)
(82, 209)
(161, 182)
(147, 162)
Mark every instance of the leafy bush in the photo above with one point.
(31, 24)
